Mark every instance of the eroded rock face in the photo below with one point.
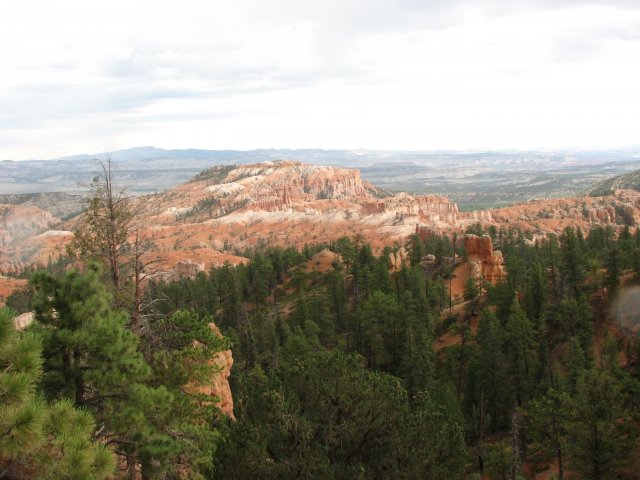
(553, 215)
(487, 263)
(398, 258)
(23, 235)
(219, 386)
(288, 203)
(188, 269)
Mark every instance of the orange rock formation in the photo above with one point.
(219, 387)
(288, 203)
(487, 264)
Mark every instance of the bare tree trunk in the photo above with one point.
(515, 446)
(132, 471)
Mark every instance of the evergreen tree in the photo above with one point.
(493, 375)
(378, 324)
(471, 295)
(92, 358)
(521, 349)
(602, 431)
(614, 268)
(105, 226)
(434, 446)
(548, 424)
(574, 317)
(576, 362)
(321, 416)
(573, 260)
(417, 250)
(40, 440)
(535, 292)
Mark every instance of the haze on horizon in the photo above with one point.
(86, 77)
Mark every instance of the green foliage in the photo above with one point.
(40, 440)
(94, 359)
(335, 375)
(602, 431)
(521, 350)
(499, 459)
(215, 174)
(492, 373)
(549, 420)
(20, 300)
(324, 415)
(434, 445)
(471, 295)
(90, 355)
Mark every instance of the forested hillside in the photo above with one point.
(629, 181)
(360, 372)
(348, 362)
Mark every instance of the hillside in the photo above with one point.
(289, 203)
(59, 204)
(226, 210)
(630, 181)
(338, 344)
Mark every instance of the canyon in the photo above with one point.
(226, 210)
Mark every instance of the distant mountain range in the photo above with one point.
(473, 179)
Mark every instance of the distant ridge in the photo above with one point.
(629, 181)
(474, 180)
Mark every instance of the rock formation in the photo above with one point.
(323, 261)
(553, 215)
(218, 387)
(290, 204)
(486, 263)
(188, 269)
(398, 258)
(220, 383)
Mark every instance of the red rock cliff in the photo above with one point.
(220, 382)
(487, 262)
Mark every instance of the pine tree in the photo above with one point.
(417, 250)
(472, 295)
(548, 423)
(92, 358)
(38, 440)
(493, 375)
(536, 292)
(104, 227)
(321, 415)
(521, 349)
(602, 431)
(614, 268)
(434, 446)
(573, 260)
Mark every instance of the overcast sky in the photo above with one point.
(88, 77)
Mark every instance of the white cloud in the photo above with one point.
(84, 76)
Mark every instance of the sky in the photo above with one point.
(90, 77)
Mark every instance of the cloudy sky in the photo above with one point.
(88, 77)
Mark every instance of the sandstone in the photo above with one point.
(323, 261)
(487, 264)
(290, 204)
(188, 269)
(398, 258)
(219, 387)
